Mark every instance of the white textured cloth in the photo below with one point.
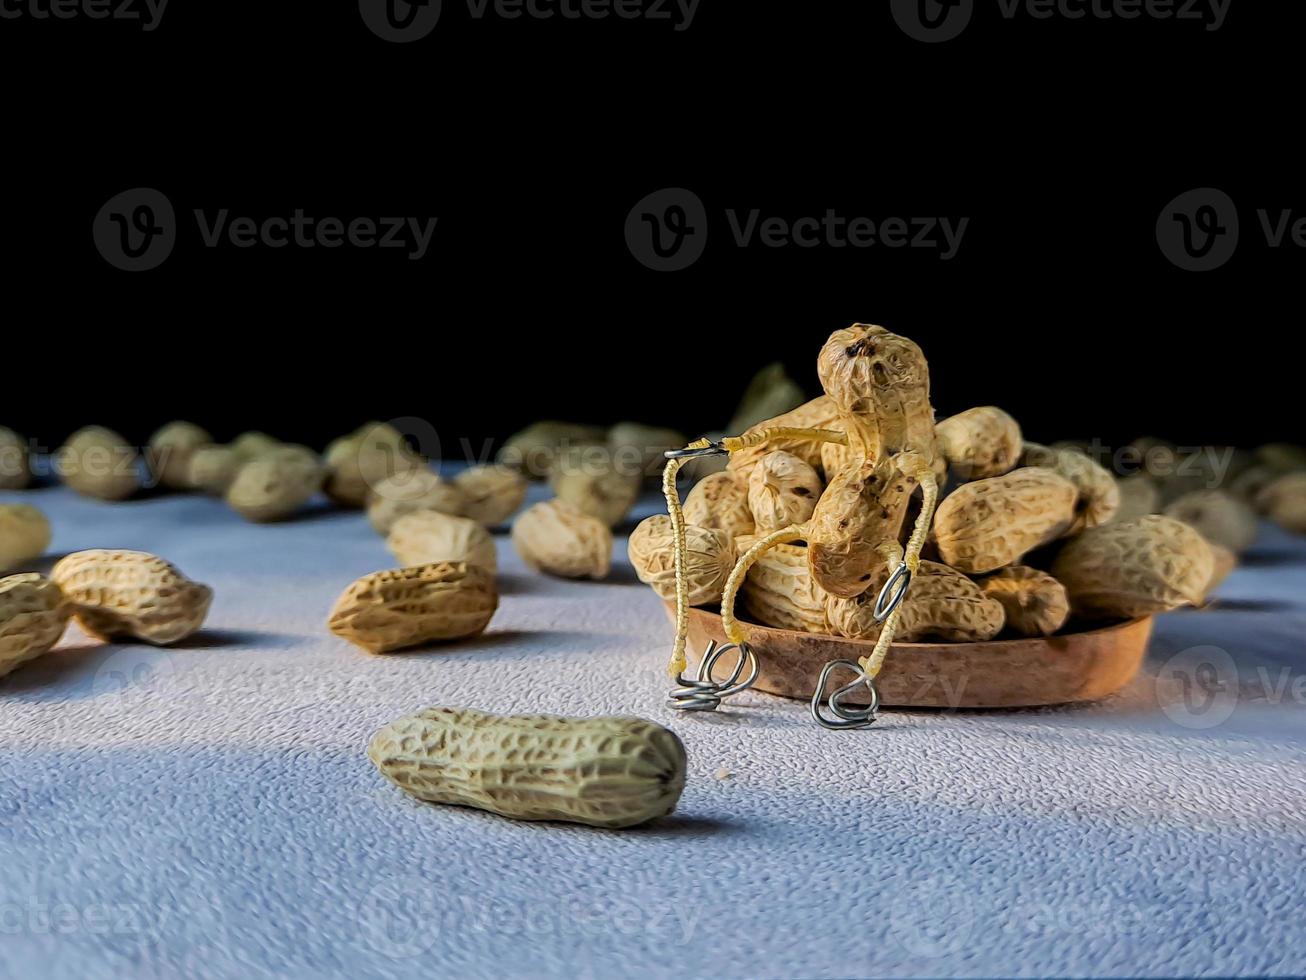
(208, 811)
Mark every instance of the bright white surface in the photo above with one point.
(208, 811)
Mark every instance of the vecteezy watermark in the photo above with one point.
(1200, 687)
(667, 230)
(933, 21)
(146, 13)
(39, 918)
(404, 917)
(404, 21)
(138, 229)
(1199, 230)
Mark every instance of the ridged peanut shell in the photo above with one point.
(1098, 494)
(980, 443)
(555, 538)
(24, 535)
(98, 462)
(1218, 516)
(15, 461)
(709, 559)
(427, 536)
(985, 525)
(33, 616)
(610, 772)
(407, 607)
(491, 494)
(1035, 603)
(718, 502)
(779, 590)
(1224, 562)
(941, 604)
(1138, 568)
(131, 594)
(408, 492)
(782, 490)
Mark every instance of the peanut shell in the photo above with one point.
(98, 462)
(1098, 495)
(15, 461)
(131, 594)
(782, 490)
(405, 493)
(558, 539)
(1218, 516)
(491, 494)
(709, 559)
(428, 536)
(980, 443)
(169, 452)
(985, 525)
(24, 535)
(718, 502)
(406, 607)
(33, 615)
(1035, 603)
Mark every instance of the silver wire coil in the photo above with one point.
(845, 717)
(704, 694)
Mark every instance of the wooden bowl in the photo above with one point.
(1018, 673)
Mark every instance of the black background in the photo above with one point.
(532, 139)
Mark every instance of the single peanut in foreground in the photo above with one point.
(1122, 571)
(33, 616)
(132, 594)
(558, 539)
(427, 536)
(407, 607)
(1036, 604)
(604, 772)
(985, 525)
(98, 462)
(24, 535)
(491, 494)
(709, 558)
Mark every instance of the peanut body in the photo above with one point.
(24, 535)
(941, 605)
(1035, 603)
(491, 494)
(980, 443)
(408, 492)
(1218, 516)
(1098, 496)
(709, 559)
(985, 525)
(555, 538)
(407, 607)
(782, 490)
(97, 462)
(33, 615)
(718, 502)
(131, 594)
(428, 536)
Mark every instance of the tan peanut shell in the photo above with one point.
(33, 615)
(1036, 604)
(819, 413)
(15, 461)
(1098, 495)
(602, 492)
(247, 445)
(782, 490)
(169, 451)
(1284, 502)
(985, 525)
(24, 535)
(1218, 516)
(357, 463)
(532, 451)
(131, 594)
(1121, 571)
(406, 607)
(709, 559)
(980, 443)
(412, 490)
(770, 392)
(491, 494)
(212, 469)
(834, 457)
(555, 538)
(427, 536)
(718, 502)
(1139, 496)
(941, 604)
(641, 448)
(98, 462)
(275, 484)
(1224, 562)
(779, 590)
(879, 383)
(604, 772)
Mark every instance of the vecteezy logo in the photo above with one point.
(1198, 231)
(136, 230)
(400, 21)
(932, 21)
(667, 230)
(1198, 687)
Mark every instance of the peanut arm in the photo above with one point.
(786, 534)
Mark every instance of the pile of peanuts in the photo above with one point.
(1029, 539)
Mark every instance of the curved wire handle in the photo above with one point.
(894, 591)
(845, 716)
(704, 694)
